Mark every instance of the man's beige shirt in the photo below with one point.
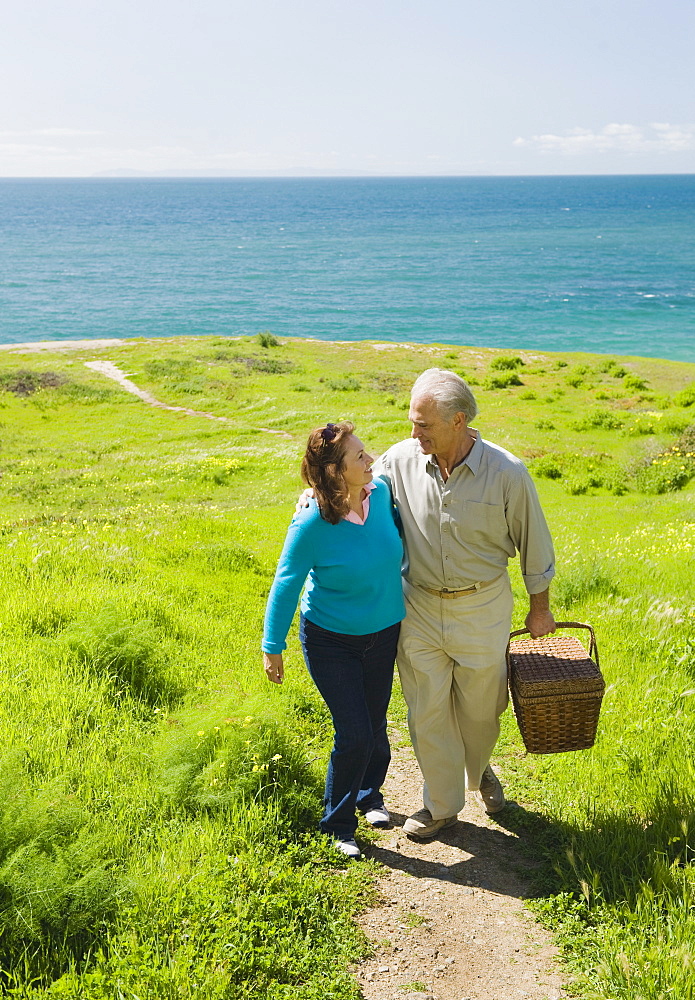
(465, 530)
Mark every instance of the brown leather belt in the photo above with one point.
(450, 595)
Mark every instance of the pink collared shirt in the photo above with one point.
(355, 518)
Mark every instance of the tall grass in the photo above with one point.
(618, 822)
(158, 799)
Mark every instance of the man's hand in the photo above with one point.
(274, 669)
(540, 620)
(304, 497)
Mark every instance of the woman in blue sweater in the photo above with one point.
(345, 551)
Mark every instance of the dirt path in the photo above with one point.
(112, 371)
(450, 923)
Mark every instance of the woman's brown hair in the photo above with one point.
(322, 469)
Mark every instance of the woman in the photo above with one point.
(346, 547)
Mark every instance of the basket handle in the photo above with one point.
(593, 648)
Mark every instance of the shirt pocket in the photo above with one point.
(480, 525)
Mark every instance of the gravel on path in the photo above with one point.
(450, 921)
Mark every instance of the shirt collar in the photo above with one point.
(472, 459)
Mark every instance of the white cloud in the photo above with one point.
(54, 133)
(658, 137)
(64, 133)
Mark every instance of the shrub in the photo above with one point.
(686, 397)
(26, 383)
(547, 467)
(643, 424)
(273, 366)
(670, 470)
(604, 419)
(660, 476)
(266, 339)
(506, 362)
(676, 423)
(576, 486)
(502, 381)
(634, 382)
(346, 384)
(545, 425)
(527, 394)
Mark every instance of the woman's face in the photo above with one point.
(357, 464)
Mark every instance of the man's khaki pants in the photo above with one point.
(451, 660)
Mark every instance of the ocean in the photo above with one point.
(598, 264)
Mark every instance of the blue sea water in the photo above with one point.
(600, 264)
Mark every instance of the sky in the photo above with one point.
(385, 87)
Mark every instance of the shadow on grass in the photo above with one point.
(610, 859)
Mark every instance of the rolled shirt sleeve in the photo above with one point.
(529, 531)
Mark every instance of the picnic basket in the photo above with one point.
(556, 688)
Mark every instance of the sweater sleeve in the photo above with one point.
(294, 565)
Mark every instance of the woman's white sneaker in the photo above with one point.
(378, 817)
(349, 848)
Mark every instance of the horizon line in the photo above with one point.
(320, 175)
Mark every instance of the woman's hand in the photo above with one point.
(274, 669)
(303, 501)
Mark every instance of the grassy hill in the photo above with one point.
(160, 798)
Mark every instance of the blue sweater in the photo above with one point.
(352, 573)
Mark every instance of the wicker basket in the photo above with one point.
(556, 690)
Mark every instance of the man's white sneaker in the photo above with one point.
(421, 825)
(349, 848)
(490, 792)
(378, 817)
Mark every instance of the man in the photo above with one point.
(466, 507)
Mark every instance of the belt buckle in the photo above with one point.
(451, 594)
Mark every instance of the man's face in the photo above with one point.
(435, 435)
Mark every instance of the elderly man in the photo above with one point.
(466, 506)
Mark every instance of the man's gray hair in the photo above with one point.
(449, 391)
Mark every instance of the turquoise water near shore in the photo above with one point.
(599, 264)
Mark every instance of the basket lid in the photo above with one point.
(555, 663)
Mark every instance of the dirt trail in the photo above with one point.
(112, 371)
(450, 923)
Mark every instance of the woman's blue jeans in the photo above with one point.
(354, 674)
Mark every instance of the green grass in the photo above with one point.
(159, 798)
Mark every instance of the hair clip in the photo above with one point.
(329, 432)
